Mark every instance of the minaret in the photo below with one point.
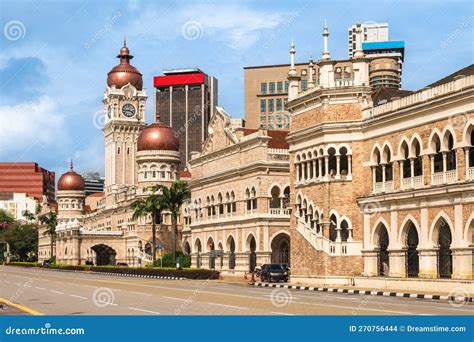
(124, 106)
(358, 53)
(326, 55)
(293, 77)
(326, 74)
(311, 72)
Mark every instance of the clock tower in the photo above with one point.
(124, 105)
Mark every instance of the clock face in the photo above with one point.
(128, 110)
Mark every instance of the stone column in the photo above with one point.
(428, 263)
(396, 176)
(326, 167)
(466, 164)
(445, 165)
(384, 167)
(338, 166)
(461, 165)
(412, 171)
(314, 168)
(374, 177)
(349, 166)
(320, 167)
(370, 263)
(396, 259)
(432, 168)
(401, 163)
(462, 263)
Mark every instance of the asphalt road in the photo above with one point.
(68, 293)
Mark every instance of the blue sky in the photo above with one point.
(55, 55)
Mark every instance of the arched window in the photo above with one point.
(406, 161)
(387, 158)
(418, 163)
(275, 197)
(451, 155)
(286, 197)
(344, 162)
(332, 161)
(344, 230)
(332, 228)
(471, 149)
(438, 156)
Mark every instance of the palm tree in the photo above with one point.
(50, 219)
(151, 205)
(173, 198)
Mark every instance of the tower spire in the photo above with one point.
(71, 165)
(326, 55)
(358, 53)
(311, 72)
(124, 40)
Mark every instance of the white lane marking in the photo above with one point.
(227, 306)
(435, 306)
(40, 288)
(174, 298)
(58, 292)
(106, 303)
(76, 296)
(355, 308)
(141, 293)
(281, 313)
(143, 310)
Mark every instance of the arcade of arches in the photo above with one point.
(227, 257)
(439, 249)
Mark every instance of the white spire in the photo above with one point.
(292, 71)
(326, 55)
(358, 53)
(311, 71)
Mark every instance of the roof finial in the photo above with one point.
(71, 166)
(124, 39)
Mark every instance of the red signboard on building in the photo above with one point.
(182, 79)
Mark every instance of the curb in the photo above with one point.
(367, 292)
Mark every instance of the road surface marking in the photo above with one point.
(21, 307)
(174, 298)
(106, 303)
(141, 293)
(58, 292)
(40, 288)
(228, 306)
(281, 313)
(143, 310)
(78, 296)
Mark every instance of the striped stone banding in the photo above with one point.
(366, 292)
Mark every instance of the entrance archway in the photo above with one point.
(212, 256)
(252, 246)
(104, 255)
(231, 248)
(382, 240)
(281, 249)
(412, 258)
(198, 249)
(445, 258)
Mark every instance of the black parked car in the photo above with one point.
(274, 272)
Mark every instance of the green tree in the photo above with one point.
(50, 220)
(5, 220)
(23, 240)
(150, 205)
(173, 198)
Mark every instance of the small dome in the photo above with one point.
(157, 136)
(124, 73)
(71, 181)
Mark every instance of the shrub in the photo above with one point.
(184, 260)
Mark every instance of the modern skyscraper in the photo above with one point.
(371, 32)
(185, 100)
(27, 178)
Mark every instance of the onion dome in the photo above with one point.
(157, 136)
(124, 73)
(71, 181)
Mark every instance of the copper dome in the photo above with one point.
(71, 181)
(124, 73)
(157, 136)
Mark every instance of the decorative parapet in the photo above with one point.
(420, 97)
(94, 232)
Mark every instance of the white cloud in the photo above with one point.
(237, 26)
(30, 124)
